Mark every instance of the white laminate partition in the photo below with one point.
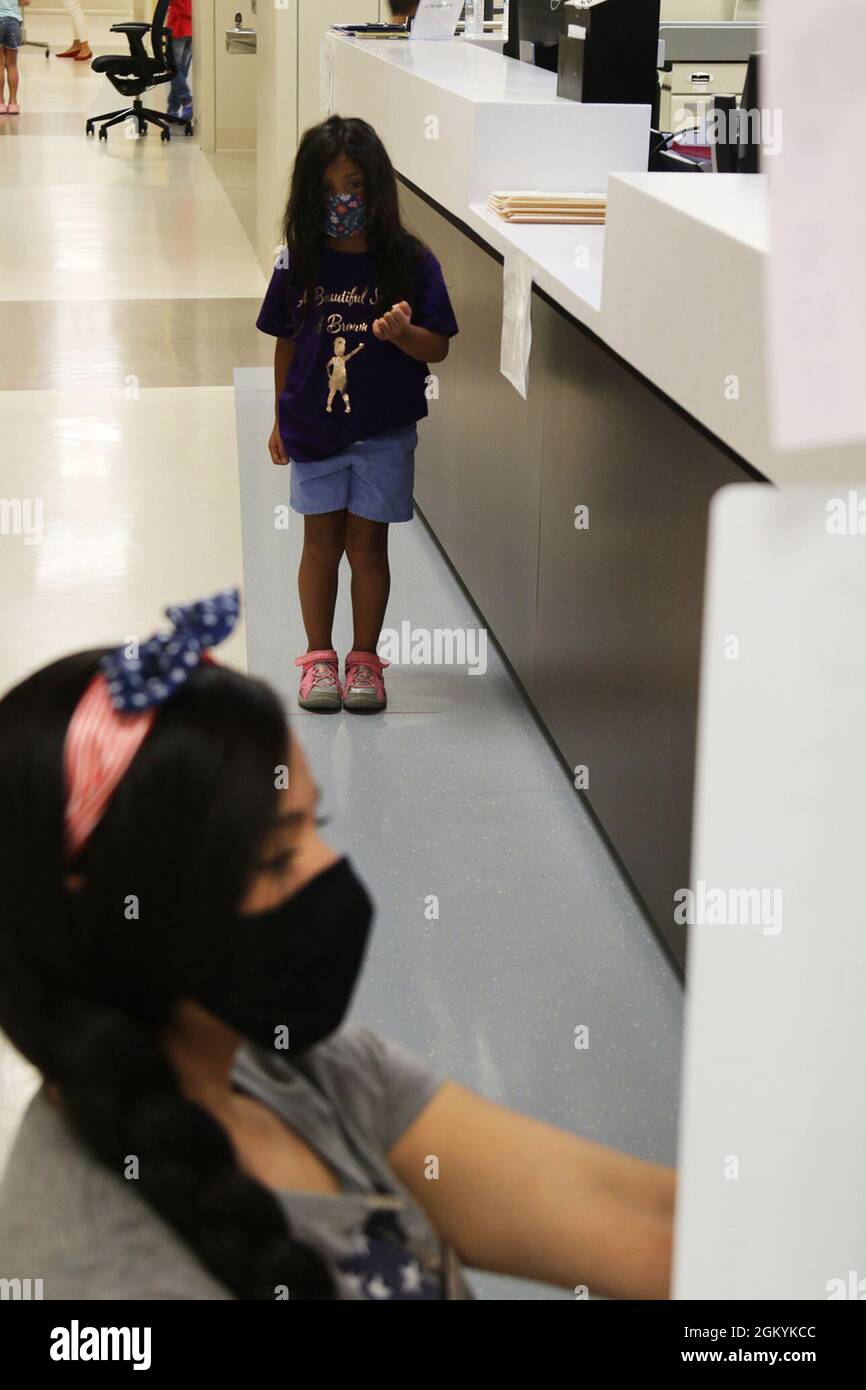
(460, 121)
(771, 1200)
(681, 296)
(685, 261)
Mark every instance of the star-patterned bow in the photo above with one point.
(166, 660)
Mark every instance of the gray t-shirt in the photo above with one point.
(84, 1231)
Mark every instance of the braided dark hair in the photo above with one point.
(395, 250)
(84, 992)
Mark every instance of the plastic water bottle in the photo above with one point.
(473, 19)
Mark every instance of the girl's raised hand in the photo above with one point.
(394, 323)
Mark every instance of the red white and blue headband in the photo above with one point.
(117, 710)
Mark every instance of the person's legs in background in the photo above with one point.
(80, 49)
(10, 39)
(180, 96)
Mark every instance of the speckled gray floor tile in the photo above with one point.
(454, 792)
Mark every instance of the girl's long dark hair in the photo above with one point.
(395, 249)
(87, 979)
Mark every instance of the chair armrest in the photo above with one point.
(135, 35)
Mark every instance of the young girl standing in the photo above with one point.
(359, 308)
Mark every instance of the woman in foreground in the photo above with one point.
(178, 949)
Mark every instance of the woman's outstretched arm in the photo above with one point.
(519, 1197)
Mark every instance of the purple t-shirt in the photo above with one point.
(344, 383)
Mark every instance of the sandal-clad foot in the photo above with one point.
(70, 52)
(320, 689)
(84, 55)
(364, 687)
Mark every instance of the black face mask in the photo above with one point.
(294, 968)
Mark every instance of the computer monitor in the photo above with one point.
(749, 153)
(737, 126)
(621, 59)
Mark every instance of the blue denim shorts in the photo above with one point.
(373, 478)
(10, 31)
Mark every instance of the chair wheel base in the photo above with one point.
(141, 117)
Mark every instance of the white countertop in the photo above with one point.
(674, 283)
(463, 68)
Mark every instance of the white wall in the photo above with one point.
(112, 7)
(288, 95)
(698, 9)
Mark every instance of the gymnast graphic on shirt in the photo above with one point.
(338, 378)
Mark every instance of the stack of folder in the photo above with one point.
(531, 206)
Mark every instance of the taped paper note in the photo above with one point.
(327, 52)
(816, 278)
(516, 320)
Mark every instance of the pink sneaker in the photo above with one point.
(364, 688)
(320, 681)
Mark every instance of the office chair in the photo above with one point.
(33, 43)
(136, 72)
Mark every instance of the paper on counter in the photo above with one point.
(516, 320)
(438, 20)
(816, 281)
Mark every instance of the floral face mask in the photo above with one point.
(345, 214)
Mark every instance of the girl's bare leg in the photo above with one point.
(367, 552)
(324, 537)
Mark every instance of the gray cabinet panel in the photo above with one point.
(620, 604)
(479, 463)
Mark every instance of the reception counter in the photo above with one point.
(646, 395)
